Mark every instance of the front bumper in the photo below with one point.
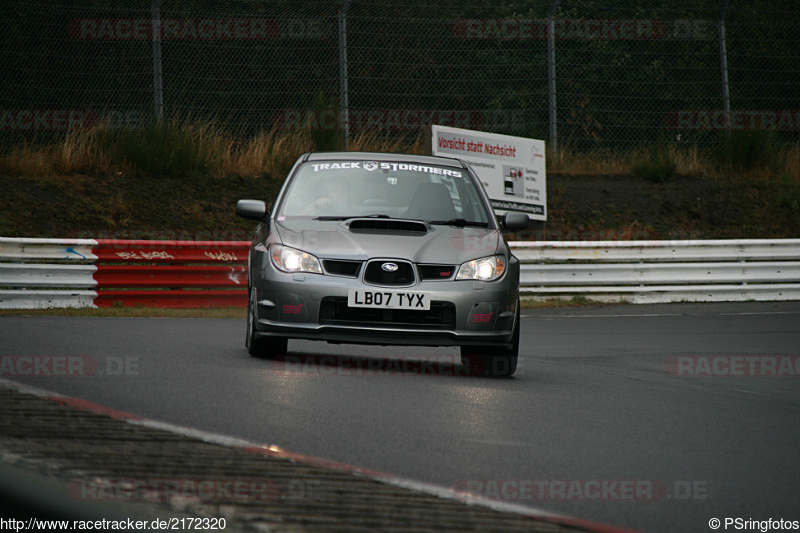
(311, 306)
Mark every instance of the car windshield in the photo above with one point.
(332, 190)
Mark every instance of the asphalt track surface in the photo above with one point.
(656, 418)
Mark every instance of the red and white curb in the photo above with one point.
(59, 273)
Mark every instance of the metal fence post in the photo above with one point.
(723, 61)
(344, 104)
(551, 77)
(158, 82)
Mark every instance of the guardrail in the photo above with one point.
(661, 271)
(49, 273)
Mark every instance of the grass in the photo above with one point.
(173, 148)
(744, 156)
(558, 303)
(169, 149)
(176, 148)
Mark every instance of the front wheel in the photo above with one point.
(262, 347)
(494, 362)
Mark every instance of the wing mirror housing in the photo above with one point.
(515, 221)
(252, 209)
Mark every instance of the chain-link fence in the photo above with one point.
(580, 75)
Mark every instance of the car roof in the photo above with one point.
(383, 156)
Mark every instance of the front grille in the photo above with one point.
(333, 310)
(433, 272)
(337, 267)
(377, 275)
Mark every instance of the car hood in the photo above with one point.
(360, 239)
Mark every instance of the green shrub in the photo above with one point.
(325, 139)
(788, 198)
(747, 150)
(656, 165)
(166, 148)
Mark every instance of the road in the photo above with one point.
(656, 418)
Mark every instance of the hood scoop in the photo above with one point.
(387, 226)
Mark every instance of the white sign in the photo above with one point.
(512, 169)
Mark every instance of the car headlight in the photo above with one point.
(484, 269)
(291, 260)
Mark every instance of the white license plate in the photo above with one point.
(418, 301)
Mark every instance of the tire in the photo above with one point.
(262, 347)
(494, 362)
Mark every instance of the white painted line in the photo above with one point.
(661, 315)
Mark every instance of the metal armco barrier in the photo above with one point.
(50, 273)
(661, 271)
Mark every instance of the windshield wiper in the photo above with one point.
(460, 222)
(348, 217)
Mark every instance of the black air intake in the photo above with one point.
(396, 227)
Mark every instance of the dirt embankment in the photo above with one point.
(580, 207)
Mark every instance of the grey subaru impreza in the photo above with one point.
(381, 248)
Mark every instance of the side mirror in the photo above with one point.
(515, 221)
(252, 209)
